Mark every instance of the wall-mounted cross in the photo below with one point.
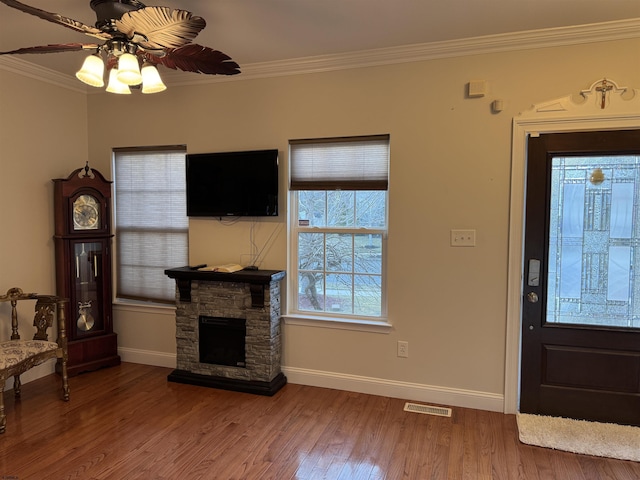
(604, 88)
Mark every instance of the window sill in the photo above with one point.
(338, 323)
(144, 307)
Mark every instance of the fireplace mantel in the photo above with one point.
(257, 280)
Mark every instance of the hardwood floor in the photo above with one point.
(129, 422)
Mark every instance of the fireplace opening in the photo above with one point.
(222, 341)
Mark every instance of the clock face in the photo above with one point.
(86, 213)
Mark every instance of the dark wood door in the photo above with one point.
(581, 297)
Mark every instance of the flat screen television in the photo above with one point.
(232, 184)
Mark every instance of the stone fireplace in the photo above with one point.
(228, 331)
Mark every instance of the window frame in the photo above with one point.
(324, 318)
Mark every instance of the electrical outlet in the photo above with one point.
(403, 349)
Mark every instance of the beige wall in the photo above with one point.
(43, 135)
(450, 168)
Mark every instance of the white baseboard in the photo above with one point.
(391, 388)
(131, 355)
(353, 383)
(147, 357)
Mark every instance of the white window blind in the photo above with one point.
(151, 221)
(348, 163)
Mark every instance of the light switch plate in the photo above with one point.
(463, 238)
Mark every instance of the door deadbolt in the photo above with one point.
(532, 297)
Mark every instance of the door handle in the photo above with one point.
(532, 297)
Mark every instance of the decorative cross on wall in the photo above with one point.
(603, 89)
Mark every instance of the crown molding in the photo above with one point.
(37, 72)
(531, 39)
(552, 37)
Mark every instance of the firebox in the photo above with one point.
(222, 341)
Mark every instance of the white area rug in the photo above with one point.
(579, 436)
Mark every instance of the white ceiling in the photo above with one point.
(256, 31)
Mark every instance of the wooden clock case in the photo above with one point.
(83, 270)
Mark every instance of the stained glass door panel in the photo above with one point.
(594, 229)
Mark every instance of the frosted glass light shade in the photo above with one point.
(129, 70)
(151, 81)
(115, 85)
(92, 71)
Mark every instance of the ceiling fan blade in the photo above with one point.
(56, 48)
(196, 58)
(59, 19)
(161, 27)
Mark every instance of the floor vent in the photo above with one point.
(427, 409)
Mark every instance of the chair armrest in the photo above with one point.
(62, 324)
(13, 295)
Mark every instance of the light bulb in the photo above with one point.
(129, 70)
(115, 85)
(92, 71)
(151, 81)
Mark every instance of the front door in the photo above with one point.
(581, 305)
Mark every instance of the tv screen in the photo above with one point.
(232, 184)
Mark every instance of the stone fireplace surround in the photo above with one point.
(252, 295)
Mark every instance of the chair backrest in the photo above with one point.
(45, 309)
(43, 318)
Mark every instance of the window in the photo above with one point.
(339, 226)
(151, 221)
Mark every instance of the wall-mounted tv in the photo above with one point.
(232, 184)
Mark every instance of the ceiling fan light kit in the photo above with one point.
(134, 34)
(125, 70)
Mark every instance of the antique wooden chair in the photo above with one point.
(17, 356)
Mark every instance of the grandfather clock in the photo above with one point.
(82, 211)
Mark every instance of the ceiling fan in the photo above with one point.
(132, 33)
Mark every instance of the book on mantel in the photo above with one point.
(227, 268)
